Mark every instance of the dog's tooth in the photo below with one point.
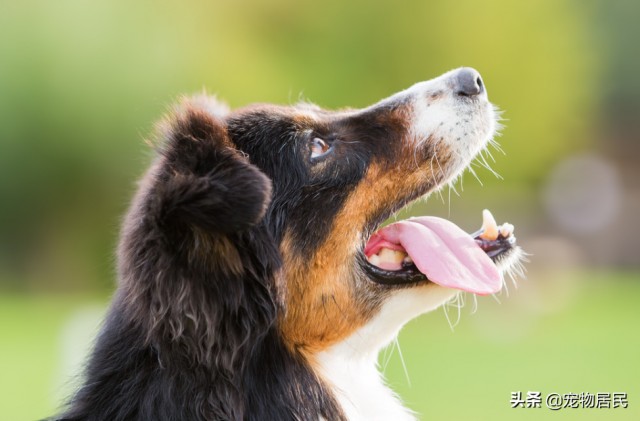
(407, 259)
(374, 259)
(391, 256)
(506, 229)
(489, 226)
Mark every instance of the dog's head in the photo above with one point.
(320, 183)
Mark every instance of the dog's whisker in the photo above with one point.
(435, 156)
(496, 146)
(452, 185)
(480, 159)
(442, 173)
(388, 353)
(433, 177)
(470, 169)
(404, 366)
(474, 309)
(445, 309)
(505, 287)
(255, 244)
(457, 302)
(488, 153)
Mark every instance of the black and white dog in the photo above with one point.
(254, 283)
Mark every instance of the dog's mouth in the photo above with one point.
(430, 249)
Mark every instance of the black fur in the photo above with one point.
(191, 333)
(208, 323)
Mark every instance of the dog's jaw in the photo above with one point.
(459, 128)
(242, 265)
(336, 315)
(350, 366)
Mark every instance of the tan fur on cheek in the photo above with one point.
(325, 301)
(319, 301)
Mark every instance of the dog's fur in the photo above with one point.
(242, 291)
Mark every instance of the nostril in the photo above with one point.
(468, 82)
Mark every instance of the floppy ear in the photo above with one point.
(185, 254)
(204, 181)
(189, 275)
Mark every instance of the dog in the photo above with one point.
(255, 282)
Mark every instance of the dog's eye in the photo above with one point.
(319, 147)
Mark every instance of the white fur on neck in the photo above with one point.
(350, 367)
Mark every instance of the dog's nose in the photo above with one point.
(467, 82)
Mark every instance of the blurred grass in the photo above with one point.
(34, 372)
(591, 345)
(587, 345)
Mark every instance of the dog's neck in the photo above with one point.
(350, 367)
(358, 386)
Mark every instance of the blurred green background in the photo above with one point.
(81, 84)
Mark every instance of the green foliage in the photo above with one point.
(81, 84)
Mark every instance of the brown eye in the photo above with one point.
(318, 147)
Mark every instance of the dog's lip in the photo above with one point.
(409, 274)
(495, 244)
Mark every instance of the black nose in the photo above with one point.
(468, 82)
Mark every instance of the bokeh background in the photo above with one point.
(81, 84)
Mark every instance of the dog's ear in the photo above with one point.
(185, 257)
(202, 179)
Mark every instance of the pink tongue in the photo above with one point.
(447, 255)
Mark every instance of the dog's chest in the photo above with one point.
(359, 388)
(349, 367)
